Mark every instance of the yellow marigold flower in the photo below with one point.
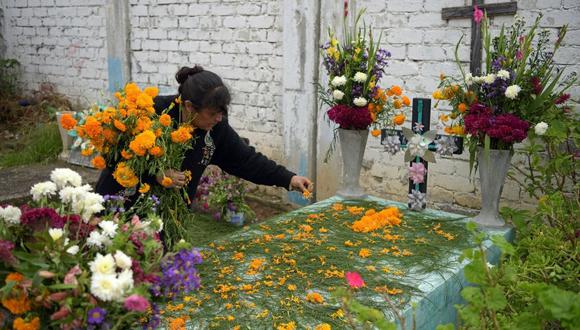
(144, 101)
(376, 132)
(462, 107)
(144, 188)
(315, 298)
(348, 243)
(306, 194)
(291, 287)
(126, 154)
(396, 90)
(177, 323)
(165, 120)
(239, 256)
(323, 326)
(119, 125)
(286, 326)
(399, 119)
(151, 91)
(21, 324)
(143, 123)
(337, 206)
(99, 162)
(458, 130)
(157, 151)
(87, 152)
(166, 182)
(125, 175)
(132, 90)
(398, 104)
(67, 121)
(437, 94)
(182, 134)
(118, 96)
(364, 253)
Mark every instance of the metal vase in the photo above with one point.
(352, 145)
(492, 173)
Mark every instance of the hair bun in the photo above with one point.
(184, 73)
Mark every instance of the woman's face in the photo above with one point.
(204, 119)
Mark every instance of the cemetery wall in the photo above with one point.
(64, 42)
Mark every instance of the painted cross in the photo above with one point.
(421, 133)
(496, 9)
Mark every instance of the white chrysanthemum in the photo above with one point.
(42, 189)
(541, 128)
(95, 239)
(157, 222)
(337, 95)
(125, 280)
(503, 74)
(55, 233)
(103, 264)
(122, 260)
(469, 79)
(360, 77)
(73, 250)
(489, 79)
(338, 81)
(512, 91)
(65, 177)
(360, 102)
(10, 214)
(105, 286)
(478, 79)
(90, 204)
(73, 194)
(109, 228)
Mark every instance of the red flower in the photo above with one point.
(562, 98)
(536, 85)
(350, 117)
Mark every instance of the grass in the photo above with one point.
(202, 229)
(41, 144)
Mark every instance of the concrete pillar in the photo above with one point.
(301, 22)
(118, 44)
(3, 45)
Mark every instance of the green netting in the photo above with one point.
(294, 260)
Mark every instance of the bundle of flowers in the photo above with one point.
(354, 67)
(521, 86)
(138, 144)
(62, 266)
(222, 195)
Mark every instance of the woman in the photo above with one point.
(205, 101)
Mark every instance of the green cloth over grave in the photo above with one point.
(259, 277)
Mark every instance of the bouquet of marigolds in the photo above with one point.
(138, 144)
(354, 67)
(64, 267)
(521, 87)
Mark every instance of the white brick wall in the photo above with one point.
(58, 41)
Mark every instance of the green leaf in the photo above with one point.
(62, 286)
(448, 326)
(528, 321)
(503, 245)
(472, 295)
(496, 298)
(563, 305)
(385, 325)
(474, 272)
(471, 226)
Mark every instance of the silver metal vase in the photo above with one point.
(352, 145)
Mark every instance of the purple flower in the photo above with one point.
(417, 173)
(6, 255)
(96, 316)
(179, 275)
(42, 218)
(154, 318)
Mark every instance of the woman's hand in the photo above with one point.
(177, 178)
(300, 183)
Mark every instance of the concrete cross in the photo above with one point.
(496, 9)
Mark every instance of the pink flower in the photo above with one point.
(477, 14)
(354, 280)
(136, 303)
(417, 173)
(70, 277)
(519, 55)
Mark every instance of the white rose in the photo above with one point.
(541, 128)
(73, 249)
(360, 77)
(338, 95)
(42, 189)
(109, 228)
(338, 81)
(55, 233)
(10, 214)
(123, 261)
(65, 177)
(512, 91)
(489, 79)
(360, 101)
(503, 74)
(103, 264)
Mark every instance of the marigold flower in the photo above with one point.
(93, 127)
(143, 123)
(125, 176)
(144, 188)
(166, 182)
(399, 119)
(398, 103)
(99, 162)
(21, 324)
(182, 134)
(165, 120)
(119, 125)
(462, 107)
(364, 253)
(291, 287)
(437, 94)
(406, 100)
(315, 298)
(396, 90)
(67, 121)
(323, 326)
(286, 326)
(17, 305)
(151, 91)
(177, 323)
(126, 154)
(14, 277)
(157, 151)
(376, 132)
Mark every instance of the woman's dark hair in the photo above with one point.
(204, 89)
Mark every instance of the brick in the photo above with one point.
(235, 22)
(426, 53)
(260, 22)
(139, 10)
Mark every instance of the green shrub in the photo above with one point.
(41, 144)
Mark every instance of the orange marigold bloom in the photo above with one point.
(132, 90)
(143, 142)
(17, 305)
(458, 130)
(144, 101)
(21, 324)
(182, 134)
(177, 323)
(125, 175)
(166, 182)
(144, 188)
(151, 91)
(364, 253)
(93, 127)
(398, 103)
(399, 119)
(14, 277)
(448, 130)
(396, 90)
(109, 135)
(437, 94)
(99, 162)
(315, 298)
(67, 121)
(156, 151)
(376, 132)
(137, 148)
(87, 152)
(406, 100)
(143, 123)
(126, 154)
(119, 125)
(323, 326)
(118, 96)
(462, 107)
(165, 120)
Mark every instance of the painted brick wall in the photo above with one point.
(59, 41)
